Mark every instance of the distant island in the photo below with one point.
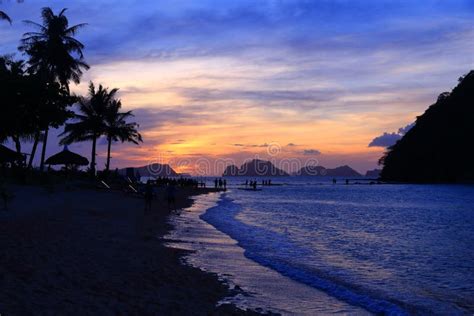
(438, 147)
(152, 170)
(373, 173)
(254, 168)
(343, 171)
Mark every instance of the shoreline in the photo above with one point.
(83, 251)
(201, 230)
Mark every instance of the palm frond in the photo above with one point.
(4, 16)
(39, 26)
(73, 29)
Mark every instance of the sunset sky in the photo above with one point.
(225, 79)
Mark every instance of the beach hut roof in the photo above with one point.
(8, 155)
(67, 157)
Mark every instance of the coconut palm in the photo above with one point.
(90, 123)
(54, 54)
(118, 129)
(4, 16)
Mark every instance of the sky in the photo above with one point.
(293, 81)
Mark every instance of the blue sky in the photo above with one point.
(328, 76)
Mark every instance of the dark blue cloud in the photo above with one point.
(389, 139)
(134, 29)
(385, 140)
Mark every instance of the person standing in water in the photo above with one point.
(171, 196)
(148, 196)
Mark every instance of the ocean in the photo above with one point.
(311, 247)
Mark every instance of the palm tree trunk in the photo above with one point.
(17, 142)
(33, 150)
(107, 165)
(94, 141)
(43, 151)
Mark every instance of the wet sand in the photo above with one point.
(80, 251)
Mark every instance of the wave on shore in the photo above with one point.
(223, 217)
(264, 288)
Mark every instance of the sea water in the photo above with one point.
(311, 247)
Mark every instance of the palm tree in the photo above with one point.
(90, 123)
(4, 16)
(117, 128)
(55, 54)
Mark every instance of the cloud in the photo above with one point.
(202, 94)
(151, 118)
(385, 140)
(389, 139)
(311, 152)
(404, 130)
(251, 145)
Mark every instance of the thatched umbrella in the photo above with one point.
(8, 155)
(67, 158)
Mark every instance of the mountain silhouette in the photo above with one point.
(343, 171)
(152, 170)
(231, 171)
(373, 173)
(255, 168)
(439, 147)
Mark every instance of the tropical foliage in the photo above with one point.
(118, 129)
(35, 94)
(437, 148)
(98, 116)
(4, 16)
(55, 56)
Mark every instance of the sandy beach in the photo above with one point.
(80, 251)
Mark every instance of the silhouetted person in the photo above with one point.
(263, 182)
(347, 181)
(225, 184)
(334, 181)
(220, 183)
(246, 183)
(171, 196)
(254, 185)
(215, 183)
(269, 182)
(6, 197)
(148, 195)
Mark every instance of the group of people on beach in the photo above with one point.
(220, 183)
(334, 181)
(181, 182)
(253, 183)
(169, 184)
